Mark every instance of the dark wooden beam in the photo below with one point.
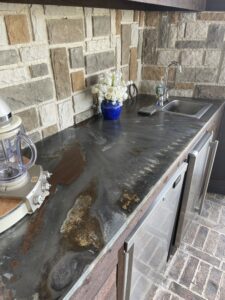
(215, 5)
(194, 5)
(157, 5)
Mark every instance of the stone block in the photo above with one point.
(27, 94)
(12, 7)
(188, 16)
(113, 21)
(33, 53)
(220, 251)
(88, 21)
(149, 51)
(203, 256)
(212, 58)
(35, 136)
(125, 43)
(133, 64)
(222, 74)
(84, 116)
(181, 30)
(190, 233)
(101, 25)
(221, 295)
(101, 11)
(209, 92)
(3, 34)
(99, 61)
(196, 31)
(76, 57)
(206, 74)
(48, 114)
(152, 73)
(142, 18)
(91, 80)
(78, 81)
(8, 57)
(136, 16)
(199, 280)
(187, 75)
(38, 70)
(160, 294)
(189, 271)
(175, 17)
(65, 113)
(29, 118)
(147, 87)
(211, 16)
(181, 93)
(191, 57)
(213, 284)
(172, 36)
(140, 43)
(61, 73)
(17, 29)
(183, 292)
(83, 101)
(125, 73)
(134, 34)
(166, 56)
(184, 86)
(118, 21)
(65, 31)
(190, 44)
(164, 32)
(177, 265)
(49, 131)
(118, 52)
(127, 16)
(12, 76)
(215, 36)
(98, 45)
(63, 11)
(38, 23)
(152, 18)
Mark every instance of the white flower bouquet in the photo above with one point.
(111, 87)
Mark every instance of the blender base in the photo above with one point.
(30, 194)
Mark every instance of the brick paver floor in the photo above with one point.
(197, 269)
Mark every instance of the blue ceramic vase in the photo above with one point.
(110, 111)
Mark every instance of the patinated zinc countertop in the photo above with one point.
(101, 171)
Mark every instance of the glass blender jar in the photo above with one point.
(12, 138)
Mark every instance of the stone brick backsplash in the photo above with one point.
(197, 41)
(50, 56)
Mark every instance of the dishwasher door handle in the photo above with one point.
(212, 154)
(176, 182)
(127, 276)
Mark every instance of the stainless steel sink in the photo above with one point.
(185, 108)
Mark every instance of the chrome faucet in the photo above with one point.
(165, 95)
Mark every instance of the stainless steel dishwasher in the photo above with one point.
(200, 163)
(146, 250)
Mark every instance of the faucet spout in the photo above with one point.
(166, 75)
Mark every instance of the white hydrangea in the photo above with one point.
(111, 87)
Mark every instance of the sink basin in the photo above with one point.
(189, 109)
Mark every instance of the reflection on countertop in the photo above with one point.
(102, 170)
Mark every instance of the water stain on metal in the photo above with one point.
(34, 228)
(80, 229)
(70, 166)
(5, 294)
(128, 201)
